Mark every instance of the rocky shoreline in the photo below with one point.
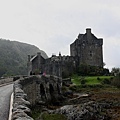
(92, 106)
(87, 111)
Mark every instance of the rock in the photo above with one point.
(21, 101)
(20, 109)
(91, 110)
(18, 114)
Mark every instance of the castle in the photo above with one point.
(86, 49)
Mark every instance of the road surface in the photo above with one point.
(5, 93)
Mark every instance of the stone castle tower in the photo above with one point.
(88, 49)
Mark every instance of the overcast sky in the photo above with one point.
(52, 25)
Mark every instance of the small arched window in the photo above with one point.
(91, 53)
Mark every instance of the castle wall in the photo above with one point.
(58, 64)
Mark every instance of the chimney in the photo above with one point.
(59, 53)
(88, 32)
(39, 53)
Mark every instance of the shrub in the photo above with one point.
(64, 88)
(98, 78)
(73, 87)
(16, 78)
(116, 81)
(76, 88)
(85, 70)
(92, 86)
(65, 74)
(83, 81)
(106, 81)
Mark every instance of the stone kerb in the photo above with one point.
(21, 110)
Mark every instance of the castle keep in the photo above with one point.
(86, 49)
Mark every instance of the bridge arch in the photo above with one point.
(51, 89)
(42, 92)
(58, 89)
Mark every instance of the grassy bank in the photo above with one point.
(46, 116)
(90, 80)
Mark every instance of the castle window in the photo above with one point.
(91, 53)
(83, 41)
(96, 45)
(83, 45)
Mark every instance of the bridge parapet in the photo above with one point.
(34, 90)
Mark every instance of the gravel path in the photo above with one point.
(5, 93)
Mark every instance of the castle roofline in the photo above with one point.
(33, 58)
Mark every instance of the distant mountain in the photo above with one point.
(14, 56)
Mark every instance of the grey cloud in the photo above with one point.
(52, 25)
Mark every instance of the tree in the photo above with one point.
(115, 71)
(85, 70)
(104, 64)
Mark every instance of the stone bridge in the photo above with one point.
(34, 90)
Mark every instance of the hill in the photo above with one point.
(13, 57)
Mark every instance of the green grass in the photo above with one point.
(90, 80)
(35, 113)
(46, 116)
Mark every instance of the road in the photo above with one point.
(5, 93)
